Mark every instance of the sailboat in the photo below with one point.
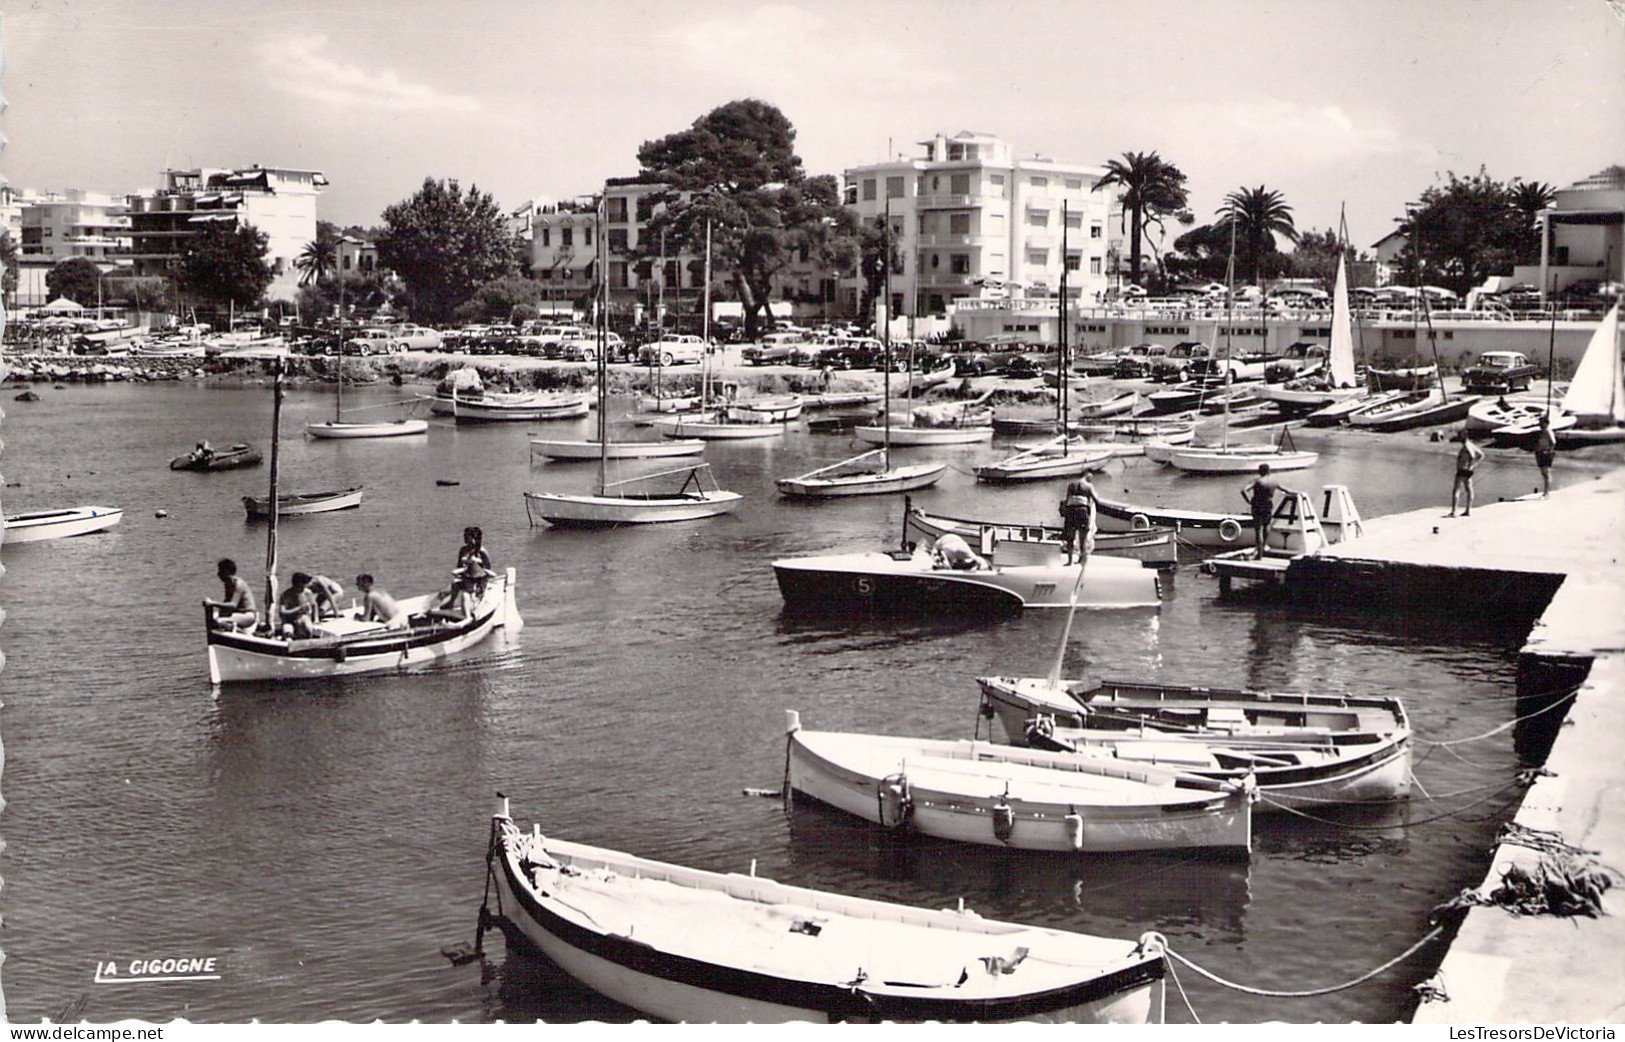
(869, 473)
(1067, 455)
(1225, 458)
(1596, 396)
(1338, 383)
(633, 500)
(350, 644)
(338, 427)
(1517, 422)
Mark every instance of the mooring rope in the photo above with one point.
(1515, 721)
(1183, 997)
(1362, 827)
(1431, 935)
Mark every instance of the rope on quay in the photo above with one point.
(1268, 993)
(1514, 722)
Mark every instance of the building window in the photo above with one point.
(936, 261)
(1038, 258)
(894, 188)
(1074, 219)
(1094, 265)
(1074, 184)
(1074, 261)
(646, 208)
(567, 237)
(897, 303)
(959, 184)
(673, 274)
(995, 264)
(919, 185)
(959, 263)
(1094, 231)
(617, 275)
(868, 189)
(617, 209)
(936, 183)
(959, 223)
(347, 262)
(546, 274)
(547, 236)
(1039, 182)
(586, 234)
(937, 306)
(617, 240)
(923, 225)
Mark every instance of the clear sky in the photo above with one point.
(1363, 102)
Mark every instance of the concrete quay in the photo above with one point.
(1558, 560)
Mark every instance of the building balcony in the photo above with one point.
(951, 201)
(951, 239)
(945, 279)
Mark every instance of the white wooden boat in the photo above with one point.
(977, 428)
(297, 504)
(1036, 544)
(919, 383)
(1410, 378)
(900, 582)
(844, 399)
(1022, 799)
(870, 473)
(40, 525)
(669, 403)
(1142, 430)
(346, 646)
(1241, 459)
(335, 429)
(636, 501)
(1025, 426)
(1185, 397)
(1303, 750)
(1338, 383)
(1339, 411)
(523, 406)
(1596, 396)
(1194, 527)
(1064, 457)
(1120, 404)
(557, 449)
(779, 408)
(1406, 403)
(1491, 415)
(713, 425)
(685, 945)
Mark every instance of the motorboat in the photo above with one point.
(687, 945)
(1037, 543)
(1022, 799)
(297, 504)
(40, 525)
(1303, 750)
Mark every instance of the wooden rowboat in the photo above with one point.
(239, 455)
(686, 945)
(296, 504)
(41, 525)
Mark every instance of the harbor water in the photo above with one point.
(324, 841)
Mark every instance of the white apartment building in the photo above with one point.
(56, 226)
(972, 220)
(279, 201)
(1582, 235)
(564, 247)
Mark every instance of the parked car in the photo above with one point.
(860, 353)
(546, 340)
(371, 342)
(1499, 372)
(1136, 362)
(774, 349)
(1175, 366)
(418, 338)
(1022, 367)
(818, 351)
(584, 348)
(673, 349)
(1301, 359)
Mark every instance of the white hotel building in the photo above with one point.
(972, 222)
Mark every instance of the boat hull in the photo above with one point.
(903, 584)
(1040, 544)
(221, 461)
(519, 409)
(567, 511)
(706, 430)
(956, 788)
(1040, 465)
(781, 409)
(1429, 414)
(907, 436)
(394, 429)
(1238, 460)
(891, 480)
(300, 504)
(591, 450)
(39, 526)
(362, 648)
(1119, 405)
(675, 980)
(1194, 527)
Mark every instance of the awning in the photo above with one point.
(211, 218)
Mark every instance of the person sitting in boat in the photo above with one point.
(953, 552)
(326, 593)
(1078, 513)
(204, 452)
(456, 604)
(473, 553)
(296, 608)
(236, 610)
(378, 606)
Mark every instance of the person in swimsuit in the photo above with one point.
(1467, 458)
(456, 604)
(473, 559)
(326, 593)
(296, 608)
(1260, 496)
(1545, 452)
(377, 605)
(1078, 517)
(236, 610)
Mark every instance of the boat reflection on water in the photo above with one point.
(1190, 893)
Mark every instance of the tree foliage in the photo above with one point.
(320, 256)
(1257, 216)
(1315, 257)
(736, 171)
(500, 299)
(1153, 189)
(444, 243)
(74, 278)
(1466, 229)
(8, 259)
(224, 264)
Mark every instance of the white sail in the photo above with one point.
(1598, 389)
(1341, 362)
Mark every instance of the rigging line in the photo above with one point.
(1431, 935)
(1186, 999)
(1515, 721)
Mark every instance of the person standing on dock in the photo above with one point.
(1545, 452)
(1260, 496)
(1467, 458)
(1078, 517)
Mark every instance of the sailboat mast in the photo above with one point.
(1427, 315)
(270, 532)
(1060, 356)
(885, 333)
(338, 405)
(1229, 324)
(1551, 350)
(705, 321)
(602, 302)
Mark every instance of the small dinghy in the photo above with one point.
(1061, 458)
(1304, 750)
(867, 474)
(687, 945)
(59, 524)
(1194, 527)
(1120, 404)
(778, 408)
(239, 455)
(1022, 799)
(296, 504)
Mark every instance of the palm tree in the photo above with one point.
(1259, 215)
(1152, 189)
(319, 257)
(1528, 199)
